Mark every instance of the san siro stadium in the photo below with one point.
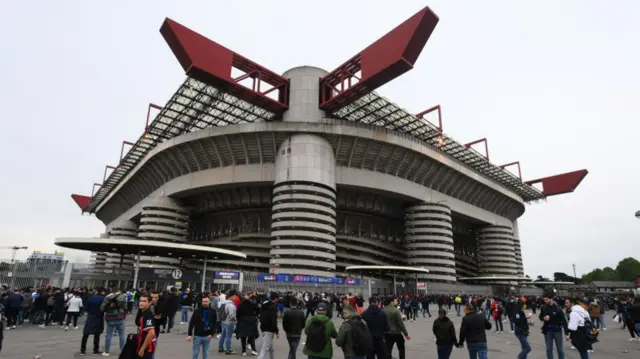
(310, 172)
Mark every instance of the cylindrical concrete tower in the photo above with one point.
(125, 229)
(516, 240)
(164, 219)
(303, 227)
(496, 251)
(428, 240)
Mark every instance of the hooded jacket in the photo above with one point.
(396, 325)
(269, 317)
(329, 332)
(345, 338)
(376, 320)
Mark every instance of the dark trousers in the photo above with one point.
(12, 316)
(293, 346)
(380, 349)
(630, 327)
(392, 339)
(73, 315)
(425, 310)
(129, 307)
(499, 326)
(252, 342)
(96, 343)
(444, 351)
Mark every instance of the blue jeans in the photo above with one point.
(293, 347)
(225, 336)
(526, 348)
(185, 314)
(444, 351)
(118, 326)
(549, 339)
(201, 342)
(477, 350)
(458, 306)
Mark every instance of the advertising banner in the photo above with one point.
(170, 274)
(224, 277)
(293, 278)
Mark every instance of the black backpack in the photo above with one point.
(591, 331)
(316, 338)
(361, 339)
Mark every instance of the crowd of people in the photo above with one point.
(363, 333)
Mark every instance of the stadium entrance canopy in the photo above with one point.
(140, 247)
(386, 270)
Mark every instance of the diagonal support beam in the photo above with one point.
(486, 147)
(212, 63)
(516, 163)
(428, 111)
(386, 59)
(81, 201)
(560, 184)
(151, 106)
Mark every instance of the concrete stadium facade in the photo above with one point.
(313, 195)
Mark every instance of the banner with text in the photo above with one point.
(293, 278)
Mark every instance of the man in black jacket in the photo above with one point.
(445, 333)
(473, 330)
(269, 326)
(293, 323)
(554, 321)
(378, 324)
(202, 327)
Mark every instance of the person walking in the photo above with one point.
(397, 332)
(186, 304)
(228, 321)
(146, 346)
(73, 311)
(473, 330)
(577, 321)
(378, 325)
(113, 307)
(319, 331)
(202, 327)
(269, 326)
(354, 337)
(293, 323)
(521, 324)
(94, 325)
(554, 322)
(247, 329)
(445, 333)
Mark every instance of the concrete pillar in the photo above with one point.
(164, 219)
(303, 221)
(516, 242)
(496, 251)
(428, 240)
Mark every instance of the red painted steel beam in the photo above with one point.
(151, 105)
(429, 110)
(81, 201)
(516, 163)
(560, 184)
(212, 63)
(93, 190)
(389, 57)
(486, 146)
(122, 148)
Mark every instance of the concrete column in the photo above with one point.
(516, 242)
(164, 219)
(303, 221)
(428, 240)
(496, 251)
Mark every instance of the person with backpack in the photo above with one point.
(319, 331)
(445, 333)
(498, 312)
(581, 328)
(227, 317)
(293, 323)
(113, 307)
(354, 336)
(378, 325)
(521, 323)
(269, 325)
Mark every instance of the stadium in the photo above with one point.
(311, 172)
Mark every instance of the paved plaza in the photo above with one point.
(30, 341)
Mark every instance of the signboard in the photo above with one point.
(422, 285)
(170, 274)
(224, 277)
(306, 279)
(178, 285)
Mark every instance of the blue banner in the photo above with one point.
(263, 277)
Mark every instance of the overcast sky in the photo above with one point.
(553, 84)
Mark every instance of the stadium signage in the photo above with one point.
(170, 274)
(223, 277)
(293, 278)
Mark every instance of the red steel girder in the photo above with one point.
(81, 201)
(429, 110)
(125, 143)
(389, 57)
(212, 63)
(516, 163)
(106, 168)
(560, 184)
(151, 105)
(486, 146)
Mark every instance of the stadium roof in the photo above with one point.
(211, 97)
